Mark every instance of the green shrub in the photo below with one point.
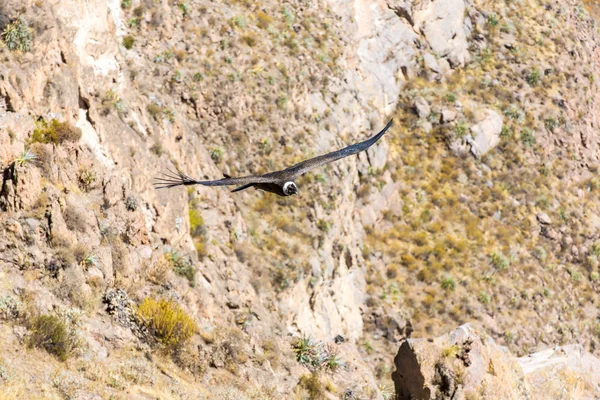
(461, 130)
(499, 261)
(216, 154)
(196, 223)
(128, 42)
(493, 19)
(181, 266)
(533, 77)
(450, 98)
(323, 225)
(166, 322)
(53, 335)
(54, 132)
(448, 283)
(527, 137)
(17, 36)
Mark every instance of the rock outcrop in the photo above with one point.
(467, 363)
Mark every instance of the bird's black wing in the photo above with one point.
(171, 179)
(305, 166)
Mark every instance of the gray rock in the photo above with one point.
(543, 218)
(448, 116)
(486, 134)
(431, 62)
(422, 107)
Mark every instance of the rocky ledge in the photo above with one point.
(468, 364)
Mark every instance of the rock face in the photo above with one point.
(467, 363)
(445, 28)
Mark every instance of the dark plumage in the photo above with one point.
(278, 182)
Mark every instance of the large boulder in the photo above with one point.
(486, 133)
(458, 365)
(469, 364)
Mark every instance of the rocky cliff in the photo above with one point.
(480, 204)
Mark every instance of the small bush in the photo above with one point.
(131, 203)
(450, 98)
(533, 77)
(166, 322)
(323, 225)
(250, 40)
(154, 109)
(448, 283)
(313, 386)
(157, 149)
(26, 157)
(461, 130)
(527, 137)
(54, 132)
(87, 178)
(493, 19)
(499, 261)
(10, 308)
(263, 20)
(196, 223)
(181, 266)
(314, 354)
(240, 21)
(216, 154)
(198, 77)
(128, 42)
(17, 36)
(53, 335)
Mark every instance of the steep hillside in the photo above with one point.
(481, 203)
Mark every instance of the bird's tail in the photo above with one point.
(240, 188)
(171, 179)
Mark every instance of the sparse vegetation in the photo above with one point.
(17, 35)
(533, 77)
(54, 132)
(493, 19)
(182, 266)
(26, 157)
(448, 283)
(128, 42)
(54, 335)
(166, 322)
(315, 355)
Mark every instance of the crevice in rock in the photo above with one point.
(9, 182)
(403, 11)
(84, 104)
(6, 103)
(404, 70)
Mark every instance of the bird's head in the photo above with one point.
(289, 188)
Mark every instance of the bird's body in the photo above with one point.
(278, 182)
